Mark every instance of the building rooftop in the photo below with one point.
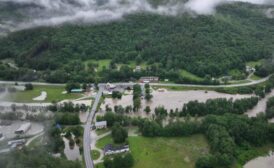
(100, 123)
(24, 127)
(76, 90)
(110, 147)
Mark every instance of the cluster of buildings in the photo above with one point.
(109, 88)
(149, 79)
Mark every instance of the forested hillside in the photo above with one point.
(207, 46)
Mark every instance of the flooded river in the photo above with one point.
(172, 99)
(261, 106)
(71, 153)
(261, 162)
(8, 131)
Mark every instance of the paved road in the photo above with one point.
(34, 83)
(214, 86)
(155, 84)
(33, 138)
(87, 129)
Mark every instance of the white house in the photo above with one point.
(137, 69)
(23, 128)
(110, 86)
(101, 124)
(110, 149)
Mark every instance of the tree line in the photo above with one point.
(219, 106)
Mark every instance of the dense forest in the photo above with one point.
(207, 46)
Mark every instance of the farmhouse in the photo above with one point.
(101, 124)
(23, 128)
(137, 69)
(149, 79)
(249, 69)
(110, 149)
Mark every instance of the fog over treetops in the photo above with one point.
(21, 14)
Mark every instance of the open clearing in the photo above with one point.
(95, 154)
(164, 152)
(190, 76)
(254, 63)
(54, 93)
(101, 63)
(255, 77)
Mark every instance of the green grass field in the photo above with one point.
(99, 165)
(181, 152)
(54, 93)
(254, 63)
(95, 154)
(167, 152)
(101, 63)
(104, 141)
(255, 77)
(238, 81)
(102, 131)
(190, 76)
(132, 64)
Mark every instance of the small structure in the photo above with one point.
(76, 90)
(106, 92)
(137, 69)
(110, 149)
(101, 124)
(110, 86)
(226, 78)
(23, 128)
(149, 79)
(249, 69)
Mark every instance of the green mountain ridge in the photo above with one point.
(203, 45)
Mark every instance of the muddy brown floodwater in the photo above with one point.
(8, 131)
(261, 106)
(71, 153)
(261, 162)
(171, 99)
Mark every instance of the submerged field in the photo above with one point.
(54, 93)
(179, 152)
